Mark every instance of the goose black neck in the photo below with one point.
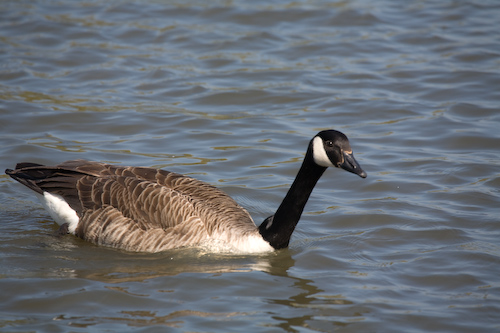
(278, 229)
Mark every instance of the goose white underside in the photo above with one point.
(244, 245)
(252, 244)
(59, 210)
(62, 213)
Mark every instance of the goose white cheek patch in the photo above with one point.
(319, 153)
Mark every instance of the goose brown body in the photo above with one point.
(140, 209)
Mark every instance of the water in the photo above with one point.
(230, 93)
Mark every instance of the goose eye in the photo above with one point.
(329, 143)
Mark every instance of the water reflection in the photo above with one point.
(68, 257)
(310, 307)
(172, 264)
(174, 272)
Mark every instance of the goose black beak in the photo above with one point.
(350, 164)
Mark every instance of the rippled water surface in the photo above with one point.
(231, 92)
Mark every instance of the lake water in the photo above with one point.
(231, 92)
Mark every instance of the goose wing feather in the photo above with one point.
(141, 209)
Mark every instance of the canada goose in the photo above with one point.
(152, 210)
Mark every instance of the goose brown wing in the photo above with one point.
(136, 208)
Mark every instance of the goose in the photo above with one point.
(152, 210)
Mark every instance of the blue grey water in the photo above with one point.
(231, 92)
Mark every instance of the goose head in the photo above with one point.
(331, 148)
(328, 148)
